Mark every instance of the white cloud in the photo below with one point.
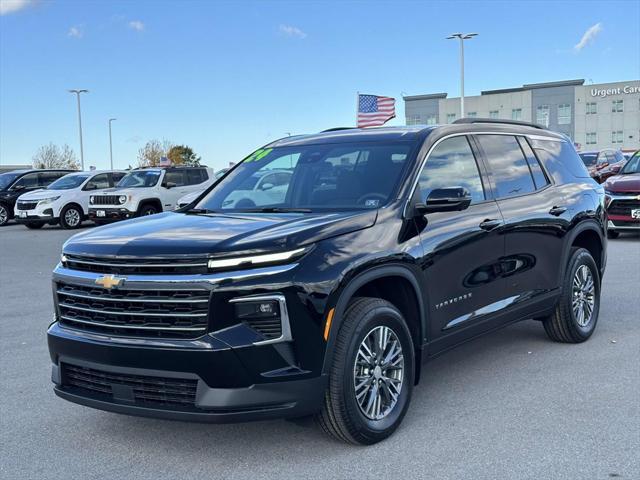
(136, 25)
(75, 32)
(11, 6)
(588, 37)
(291, 31)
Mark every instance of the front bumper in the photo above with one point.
(46, 214)
(111, 214)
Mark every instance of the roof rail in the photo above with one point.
(467, 120)
(335, 129)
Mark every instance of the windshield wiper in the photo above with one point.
(276, 210)
(199, 211)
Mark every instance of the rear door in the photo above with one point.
(170, 196)
(463, 250)
(534, 213)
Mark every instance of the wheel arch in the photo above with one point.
(587, 235)
(74, 204)
(405, 294)
(150, 201)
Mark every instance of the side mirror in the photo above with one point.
(266, 186)
(169, 185)
(451, 199)
(616, 168)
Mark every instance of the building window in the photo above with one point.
(591, 138)
(617, 106)
(592, 108)
(616, 137)
(413, 119)
(432, 120)
(451, 117)
(494, 114)
(516, 114)
(564, 114)
(472, 114)
(542, 115)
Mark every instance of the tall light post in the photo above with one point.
(462, 37)
(78, 92)
(110, 143)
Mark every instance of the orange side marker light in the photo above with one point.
(327, 326)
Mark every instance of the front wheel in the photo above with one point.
(576, 313)
(371, 376)
(4, 215)
(70, 217)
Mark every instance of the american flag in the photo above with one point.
(374, 111)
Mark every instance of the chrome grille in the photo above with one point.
(148, 313)
(148, 266)
(161, 391)
(623, 207)
(105, 200)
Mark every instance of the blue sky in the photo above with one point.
(227, 77)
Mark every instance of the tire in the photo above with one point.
(5, 215)
(71, 217)
(34, 225)
(575, 325)
(611, 234)
(148, 209)
(342, 415)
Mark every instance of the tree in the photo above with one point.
(183, 155)
(152, 152)
(53, 156)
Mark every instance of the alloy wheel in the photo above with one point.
(4, 216)
(378, 373)
(583, 299)
(72, 217)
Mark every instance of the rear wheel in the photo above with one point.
(4, 215)
(34, 225)
(70, 217)
(612, 234)
(372, 374)
(576, 313)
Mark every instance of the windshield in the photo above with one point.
(140, 178)
(589, 159)
(7, 179)
(68, 182)
(312, 178)
(632, 166)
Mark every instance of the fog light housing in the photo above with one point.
(267, 315)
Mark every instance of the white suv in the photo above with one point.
(145, 192)
(65, 201)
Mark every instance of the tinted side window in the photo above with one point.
(452, 164)
(509, 168)
(174, 176)
(99, 181)
(30, 180)
(619, 157)
(194, 176)
(117, 176)
(47, 178)
(539, 177)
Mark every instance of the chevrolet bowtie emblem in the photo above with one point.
(109, 281)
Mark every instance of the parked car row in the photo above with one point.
(39, 197)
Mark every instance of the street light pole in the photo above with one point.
(78, 92)
(462, 37)
(110, 143)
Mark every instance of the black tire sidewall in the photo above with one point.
(63, 221)
(6, 209)
(582, 257)
(376, 430)
(147, 208)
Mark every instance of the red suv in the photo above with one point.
(603, 164)
(623, 198)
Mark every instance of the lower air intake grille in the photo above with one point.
(144, 390)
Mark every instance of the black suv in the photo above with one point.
(324, 295)
(16, 182)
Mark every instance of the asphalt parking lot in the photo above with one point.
(511, 405)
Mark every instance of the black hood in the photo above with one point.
(179, 234)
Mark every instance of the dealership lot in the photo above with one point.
(509, 405)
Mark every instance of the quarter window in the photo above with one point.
(564, 114)
(539, 178)
(516, 114)
(452, 164)
(508, 166)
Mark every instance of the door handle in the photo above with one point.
(490, 224)
(557, 211)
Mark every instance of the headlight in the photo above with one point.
(251, 260)
(122, 199)
(92, 199)
(46, 201)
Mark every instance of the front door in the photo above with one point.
(462, 250)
